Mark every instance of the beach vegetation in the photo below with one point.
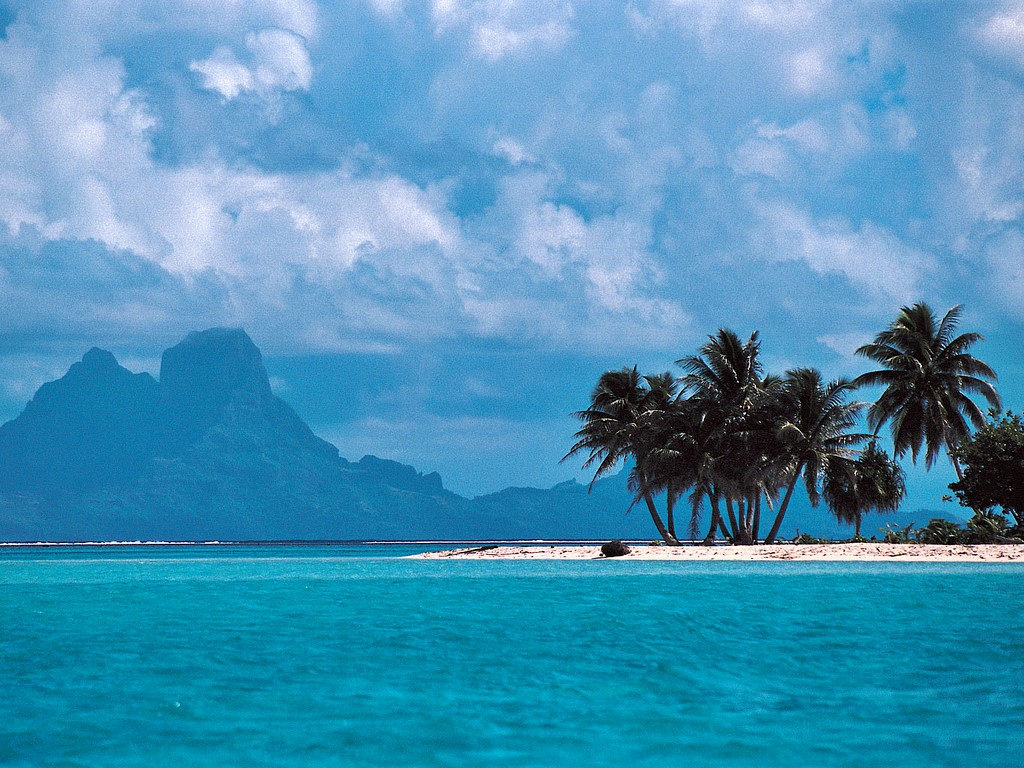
(873, 482)
(806, 538)
(616, 427)
(929, 376)
(993, 467)
(815, 434)
(737, 441)
(986, 527)
(728, 405)
(940, 531)
(894, 534)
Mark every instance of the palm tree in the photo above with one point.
(872, 482)
(814, 432)
(657, 470)
(929, 376)
(729, 395)
(615, 428)
(685, 439)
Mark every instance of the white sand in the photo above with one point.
(994, 553)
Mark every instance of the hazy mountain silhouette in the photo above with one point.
(209, 453)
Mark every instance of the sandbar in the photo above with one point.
(868, 551)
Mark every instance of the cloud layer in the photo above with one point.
(594, 177)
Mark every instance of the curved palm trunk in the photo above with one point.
(669, 538)
(743, 516)
(958, 468)
(669, 513)
(770, 538)
(716, 519)
(755, 528)
(732, 520)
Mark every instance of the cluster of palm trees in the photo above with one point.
(728, 434)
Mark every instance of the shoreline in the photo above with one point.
(867, 551)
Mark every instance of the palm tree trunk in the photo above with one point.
(670, 504)
(729, 535)
(770, 538)
(732, 518)
(856, 523)
(743, 516)
(957, 467)
(716, 517)
(669, 538)
(756, 527)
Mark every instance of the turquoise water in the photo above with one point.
(316, 657)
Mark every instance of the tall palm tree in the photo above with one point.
(685, 440)
(814, 432)
(872, 482)
(725, 384)
(657, 470)
(615, 427)
(929, 375)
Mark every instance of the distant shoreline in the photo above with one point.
(868, 551)
(567, 549)
(468, 543)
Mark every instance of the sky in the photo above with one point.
(441, 221)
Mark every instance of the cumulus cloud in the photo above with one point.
(1002, 33)
(485, 167)
(500, 28)
(868, 256)
(278, 62)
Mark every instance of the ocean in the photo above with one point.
(352, 656)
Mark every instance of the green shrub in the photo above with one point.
(939, 531)
(897, 535)
(806, 538)
(986, 528)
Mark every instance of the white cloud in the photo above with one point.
(809, 71)
(1005, 257)
(1002, 34)
(512, 151)
(501, 28)
(223, 73)
(871, 258)
(279, 62)
(388, 7)
(801, 48)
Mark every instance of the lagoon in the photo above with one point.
(353, 656)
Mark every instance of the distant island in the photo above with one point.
(208, 452)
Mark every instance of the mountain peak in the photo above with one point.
(99, 359)
(205, 373)
(213, 364)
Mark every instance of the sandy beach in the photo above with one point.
(868, 551)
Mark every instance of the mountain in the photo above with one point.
(208, 452)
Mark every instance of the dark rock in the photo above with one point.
(92, 427)
(401, 476)
(614, 549)
(202, 375)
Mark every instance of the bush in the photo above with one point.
(993, 467)
(986, 528)
(895, 535)
(939, 531)
(806, 538)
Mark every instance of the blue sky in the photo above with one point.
(442, 220)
